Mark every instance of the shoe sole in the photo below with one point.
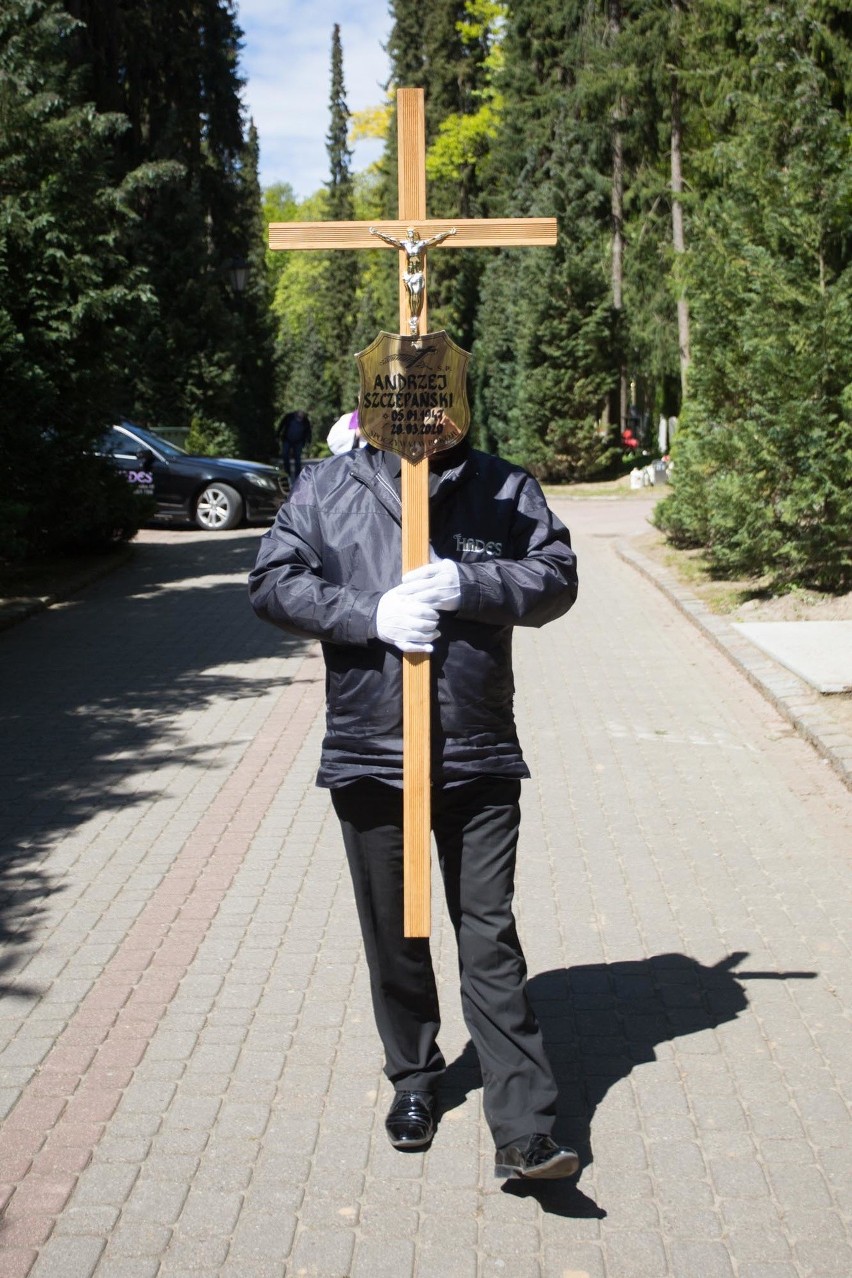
(411, 1144)
(556, 1168)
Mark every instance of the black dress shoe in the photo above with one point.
(536, 1156)
(410, 1122)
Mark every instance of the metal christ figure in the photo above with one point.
(414, 278)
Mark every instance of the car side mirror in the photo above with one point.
(145, 459)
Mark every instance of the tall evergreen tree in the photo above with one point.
(68, 302)
(764, 455)
(342, 268)
(444, 48)
(648, 59)
(256, 402)
(544, 362)
(171, 67)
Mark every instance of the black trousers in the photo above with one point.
(476, 832)
(291, 458)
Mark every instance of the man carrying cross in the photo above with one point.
(412, 563)
(330, 569)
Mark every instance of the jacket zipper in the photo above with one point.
(384, 483)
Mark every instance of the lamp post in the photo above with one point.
(238, 269)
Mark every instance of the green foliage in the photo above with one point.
(300, 328)
(67, 297)
(545, 343)
(465, 136)
(127, 187)
(170, 68)
(450, 48)
(62, 501)
(129, 184)
(338, 293)
(327, 305)
(763, 463)
(211, 439)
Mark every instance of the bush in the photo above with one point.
(775, 504)
(581, 452)
(211, 439)
(68, 503)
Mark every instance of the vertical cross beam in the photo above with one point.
(416, 678)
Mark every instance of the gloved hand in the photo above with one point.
(403, 619)
(437, 584)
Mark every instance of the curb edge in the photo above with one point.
(791, 696)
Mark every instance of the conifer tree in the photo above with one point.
(67, 300)
(763, 460)
(170, 66)
(256, 402)
(544, 361)
(339, 299)
(444, 48)
(647, 59)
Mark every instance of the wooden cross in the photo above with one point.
(471, 233)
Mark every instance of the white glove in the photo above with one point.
(436, 584)
(403, 619)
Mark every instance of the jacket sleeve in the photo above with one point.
(535, 578)
(287, 586)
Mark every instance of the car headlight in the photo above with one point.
(260, 481)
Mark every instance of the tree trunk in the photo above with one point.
(617, 211)
(677, 234)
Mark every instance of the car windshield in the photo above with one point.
(154, 441)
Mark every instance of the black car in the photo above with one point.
(216, 493)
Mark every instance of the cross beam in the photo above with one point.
(474, 232)
(471, 233)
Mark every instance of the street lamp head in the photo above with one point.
(238, 270)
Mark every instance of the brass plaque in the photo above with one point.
(413, 394)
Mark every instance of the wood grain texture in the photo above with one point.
(416, 681)
(474, 232)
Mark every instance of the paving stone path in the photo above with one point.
(189, 1073)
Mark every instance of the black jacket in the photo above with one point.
(335, 548)
(295, 428)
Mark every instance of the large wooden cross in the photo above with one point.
(471, 233)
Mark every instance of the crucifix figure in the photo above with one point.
(414, 277)
(459, 233)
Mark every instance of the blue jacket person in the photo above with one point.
(330, 569)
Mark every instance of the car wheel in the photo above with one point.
(219, 507)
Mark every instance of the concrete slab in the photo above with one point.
(820, 652)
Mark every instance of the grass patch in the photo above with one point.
(602, 488)
(690, 567)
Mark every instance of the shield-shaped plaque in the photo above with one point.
(413, 393)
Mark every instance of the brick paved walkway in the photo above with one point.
(188, 1068)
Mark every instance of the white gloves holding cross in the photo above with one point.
(407, 615)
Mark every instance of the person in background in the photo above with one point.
(345, 434)
(294, 435)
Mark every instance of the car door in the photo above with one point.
(128, 454)
(171, 485)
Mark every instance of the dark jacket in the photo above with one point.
(295, 428)
(335, 548)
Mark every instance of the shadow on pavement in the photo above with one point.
(599, 1022)
(92, 692)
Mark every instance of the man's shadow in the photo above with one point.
(599, 1021)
